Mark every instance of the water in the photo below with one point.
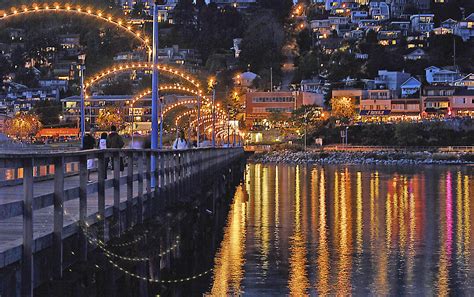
(339, 230)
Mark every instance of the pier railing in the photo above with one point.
(154, 173)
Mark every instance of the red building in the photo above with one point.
(260, 105)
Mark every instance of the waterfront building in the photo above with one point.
(410, 88)
(436, 100)
(462, 103)
(261, 105)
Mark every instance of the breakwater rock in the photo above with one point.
(373, 157)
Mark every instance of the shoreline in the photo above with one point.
(362, 158)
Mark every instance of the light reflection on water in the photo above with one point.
(341, 230)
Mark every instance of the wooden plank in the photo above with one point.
(58, 218)
(148, 175)
(140, 161)
(129, 188)
(27, 259)
(116, 160)
(102, 171)
(83, 177)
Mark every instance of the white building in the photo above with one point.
(417, 54)
(358, 15)
(435, 75)
(465, 28)
(410, 88)
(467, 82)
(392, 80)
(379, 10)
(422, 23)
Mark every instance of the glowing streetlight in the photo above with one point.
(212, 84)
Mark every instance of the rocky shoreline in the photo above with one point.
(361, 158)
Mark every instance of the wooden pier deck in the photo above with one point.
(40, 217)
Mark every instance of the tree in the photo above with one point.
(111, 116)
(22, 126)
(184, 21)
(342, 107)
(262, 43)
(5, 67)
(28, 77)
(304, 40)
(275, 118)
(48, 111)
(281, 8)
(306, 114)
(216, 29)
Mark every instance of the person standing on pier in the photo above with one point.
(180, 143)
(89, 144)
(115, 141)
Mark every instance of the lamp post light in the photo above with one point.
(82, 68)
(212, 84)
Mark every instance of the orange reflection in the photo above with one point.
(298, 279)
(323, 260)
(229, 261)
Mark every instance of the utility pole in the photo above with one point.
(82, 68)
(271, 79)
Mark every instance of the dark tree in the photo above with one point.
(262, 43)
(304, 40)
(281, 8)
(48, 111)
(27, 77)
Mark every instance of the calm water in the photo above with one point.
(310, 230)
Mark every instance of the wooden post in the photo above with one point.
(27, 261)
(148, 180)
(156, 190)
(129, 189)
(102, 172)
(140, 188)
(83, 172)
(58, 200)
(116, 160)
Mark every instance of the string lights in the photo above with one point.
(146, 66)
(73, 9)
(164, 281)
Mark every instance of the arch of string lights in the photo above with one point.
(108, 18)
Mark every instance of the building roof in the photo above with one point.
(411, 82)
(470, 17)
(248, 75)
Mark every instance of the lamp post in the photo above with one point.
(82, 68)
(212, 84)
(198, 121)
(155, 103)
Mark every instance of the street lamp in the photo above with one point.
(82, 68)
(155, 100)
(198, 136)
(305, 128)
(212, 84)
